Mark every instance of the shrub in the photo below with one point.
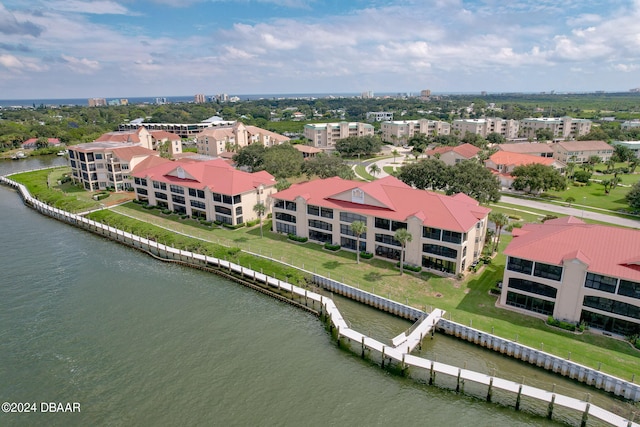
(295, 238)
(515, 217)
(184, 216)
(560, 324)
(217, 222)
(410, 267)
(366, 255)
(233, 227)
(252, 223)
(495, 290)
(166, 211)
(331, 247)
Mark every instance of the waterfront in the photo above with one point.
(159, 344)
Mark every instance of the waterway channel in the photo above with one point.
(139, 342)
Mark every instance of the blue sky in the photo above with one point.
(127, 48)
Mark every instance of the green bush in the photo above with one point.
(331, 247)
(515, 217)
(563, 325)
(410, 267)
(366, 255)
(295, 238)
(233, 227)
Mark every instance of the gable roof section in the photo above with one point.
(217, 175)
(129, 152)
(584, 145)
(465, 150)
(607, 250)
(526, 148)
(435, 210)
(518, 159)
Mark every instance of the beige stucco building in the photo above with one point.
(400, 131)
(453, 155)
(157, 140)
(483, 127)
(325, 135)
(214, 141)
(580, 151)
(575, 272)
(448, 232)
(563, 128)
(204, 189)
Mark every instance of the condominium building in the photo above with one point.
(630, 124)
(199, 98)
(97, 102)
(214, 141)
(379, 116)
(157, 140)
(502, 164)
(399, 132)
(580, 151)
(483, 127)
(563, 128)
(575, 272)
(212, 189)
(102, 165)
(325, 135)
(631, 145)
(448, 231)
(183, 130)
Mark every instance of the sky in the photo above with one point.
(129, 48)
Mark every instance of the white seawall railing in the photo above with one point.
(387, 354)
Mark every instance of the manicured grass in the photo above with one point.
(361, 171)
(466, 301)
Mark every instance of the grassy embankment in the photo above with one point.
(467, 301)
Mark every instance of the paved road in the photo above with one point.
(575, 211)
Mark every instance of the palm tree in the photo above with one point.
(395, 154)
(358, 227)
(259, 208)
(402, 236)
(500, 220)
(374, 169)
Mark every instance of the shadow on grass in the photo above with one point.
(373, 276)
(241, 240)
(331, 265)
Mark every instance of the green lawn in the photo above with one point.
(467, 301)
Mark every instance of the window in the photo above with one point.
(548, 271)
(217, 197)
(382, 223)
(141, 191)
(520, 265)
(196, 193)
(177, 189)
(395, 225)
(285, 228)
(238, 210)
(177, 199)
(237, 199)
(313, 210)
(602, 283)
(285, 217)
(223, 219)
(439, 250)
(629, 289)
(431, 233)
(228, 200)
(387, 239)
(320, 224)
(159, 195)
(197, 204)
(140, 181)
(532, 287)
(223, 210)
(351, 217)
(320, 236)
(345, 229)
(290, 206)
(530, 303)
(278, 204)
(326, 213)
(616, 307)
(451, 236)
(239, 220)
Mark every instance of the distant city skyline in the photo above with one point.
(150, 48)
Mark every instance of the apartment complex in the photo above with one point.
(580, 151)
(483, 127)
(452, 155)
(102, 165)
(502, 164)
(97, 102)
(631, 145)
(183, 130)
(325, 135)
(217, 140)
(157, 140)
(399, 132)
(540, 149)
(204, 189)
(563, 128)
(575, 272)
(448, 231)
(379, 116)
(630, 124)
(199, 98)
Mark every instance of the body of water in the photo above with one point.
(135, 341)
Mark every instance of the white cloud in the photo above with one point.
(21, 65)
(626, 68)
(81, 65)
(101, 7)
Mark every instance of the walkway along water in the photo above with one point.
(347, 337)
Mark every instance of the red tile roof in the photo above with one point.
(526, 147)
(399, 202)
(217, 175)
(511, 159)
(465, 150)
(607, 250)
(584, 145)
